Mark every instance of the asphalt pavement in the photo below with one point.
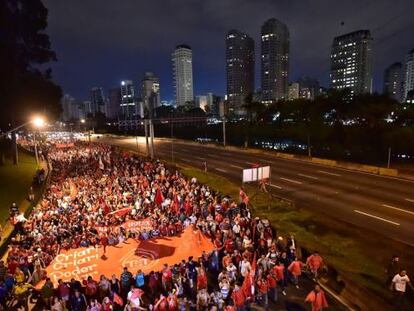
(382, 204)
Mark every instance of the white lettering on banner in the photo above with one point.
(78, 264)
(140, 257)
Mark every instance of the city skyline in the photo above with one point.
(109, 56)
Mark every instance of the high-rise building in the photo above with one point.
(213, 102)
(182, 59)
(409, 74)
(113, 103)
(68, 104)
(351, 62)
(97, 100)
(150, 93)
(308, 87)
(128, 100)
(239, 69)
(275, 61)
(201, 102)
(393, 81)
(293, 91)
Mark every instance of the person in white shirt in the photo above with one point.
(399, 285)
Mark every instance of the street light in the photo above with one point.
(38, 123)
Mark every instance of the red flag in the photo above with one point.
(254, 264)
(159, 198)
(247, 286)
(121, 212)
(118, 300)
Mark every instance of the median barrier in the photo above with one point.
(324, 161)
(345, 165)
(388, 172)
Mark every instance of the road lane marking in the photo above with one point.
(410, 200)
(376, 217)
(398, 209)
(236, 166)
(221, 170)
(275, 186)
(308, 176)
(329, 173)
(291, 180)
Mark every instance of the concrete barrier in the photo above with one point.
(327, 162)
(388, 172)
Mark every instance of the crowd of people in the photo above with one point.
(89, 187)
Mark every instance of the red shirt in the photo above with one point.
(238, 297)
(263, 286)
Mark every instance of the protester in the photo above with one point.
(317, 299)
(399, 286)
(314, 262)
(97, 186)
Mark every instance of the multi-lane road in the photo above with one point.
(382, 204)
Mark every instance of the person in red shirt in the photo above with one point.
(91, 288)
(278, 272)
(295, 269)
(262, 292)
(238, 298)
(317, 299)
(314, 262)
(201, 279)
(166, 278)
(104, 242)
(172, 301)
(272, 287)
(161, 304)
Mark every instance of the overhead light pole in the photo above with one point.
(37, 122)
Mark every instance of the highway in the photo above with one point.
(382, 204)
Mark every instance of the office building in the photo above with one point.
(308, 87)
(201, 102)
(68, 104)
(351, 62)
(97, 101)
(393, 81)
(150, 93)
(239, 69)
(409, 74)
(128, 100)
(182, 59)
(113, 103)
(293, 91)
(274, 61)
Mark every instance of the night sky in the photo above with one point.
(101, 42)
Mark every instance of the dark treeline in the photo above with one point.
(335, 126)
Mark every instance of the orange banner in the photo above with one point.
(131, 226)
(149, 255)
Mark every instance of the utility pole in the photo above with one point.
(224, 131)
(389, 157)
(309, 147)
(146, 136)
(152, 139)
(172, 142)
(35, 147)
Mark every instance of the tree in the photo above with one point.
(25, 84)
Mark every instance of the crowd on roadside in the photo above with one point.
(95, 186)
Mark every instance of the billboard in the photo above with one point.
(256, 174)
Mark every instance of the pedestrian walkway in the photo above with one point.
(24, 206)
